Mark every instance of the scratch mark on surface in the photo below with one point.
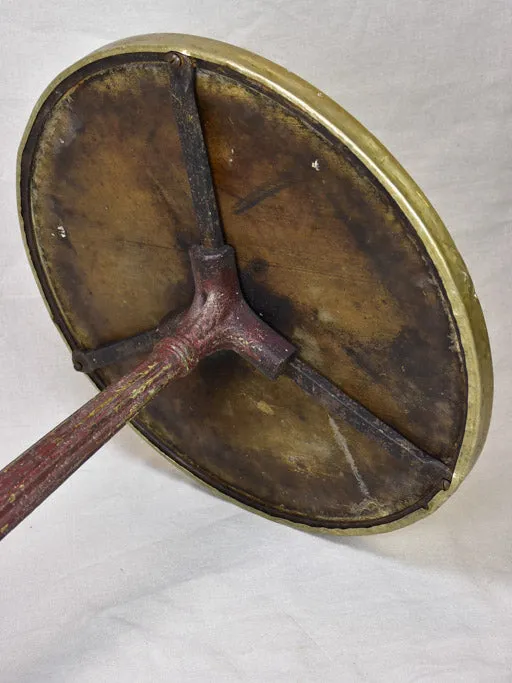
(138, 243)
(163, 195)
(259, 194)
(342, 443)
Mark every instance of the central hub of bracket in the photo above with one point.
(220, 319)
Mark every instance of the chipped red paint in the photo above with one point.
(218, 319)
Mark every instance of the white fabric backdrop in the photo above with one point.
(133, 573)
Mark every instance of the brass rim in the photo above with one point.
(428, 225)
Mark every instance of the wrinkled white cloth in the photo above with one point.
(131, 572)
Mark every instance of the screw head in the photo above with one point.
(174, 58)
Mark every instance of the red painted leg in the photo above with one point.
(218, 318)
(32, 477)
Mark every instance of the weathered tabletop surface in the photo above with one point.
(325, 256)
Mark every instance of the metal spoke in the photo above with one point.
(89, 360)
(338, 404)
(194, 149)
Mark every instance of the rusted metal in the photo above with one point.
(323, 391)
(218, 319)
(194, 149)
(339, 404)
(31, 478)
(90, 360)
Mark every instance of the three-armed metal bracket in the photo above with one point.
(218, 319)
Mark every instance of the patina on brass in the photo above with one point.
(337, 250)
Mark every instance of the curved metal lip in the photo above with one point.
(393, 177)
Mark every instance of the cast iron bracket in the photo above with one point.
(218, 319)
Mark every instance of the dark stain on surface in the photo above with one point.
(277, 311)
(257, 266)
